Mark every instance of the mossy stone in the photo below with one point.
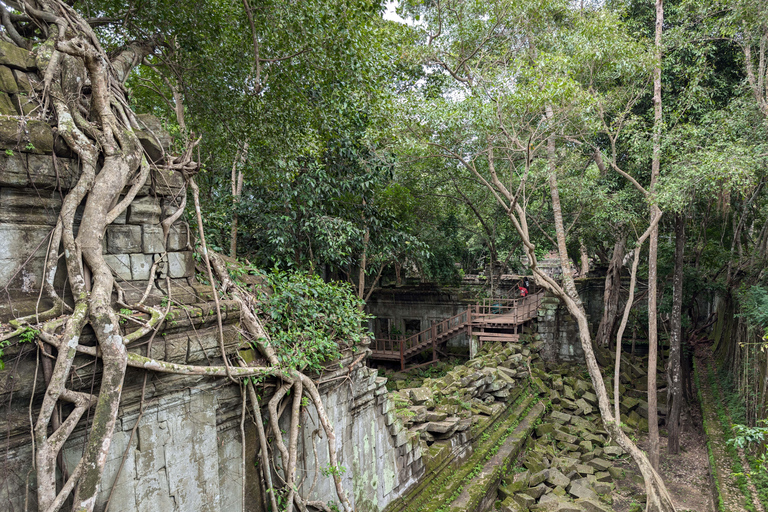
(7, 81)
(15, 57)
(544, 429)
(7, 109)
(40, 136)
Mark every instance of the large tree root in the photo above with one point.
(99, 127)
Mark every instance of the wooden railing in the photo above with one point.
(515, 310)
(512, 311)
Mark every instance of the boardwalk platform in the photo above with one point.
(492, 320)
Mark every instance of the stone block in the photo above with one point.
(28, 206)
(7, 108)
(443, 427)
(140, 266)
(123, 239)
(181, 264)
(39, 138)
(419, 395)
(167, 183)
(176, 348)
(22, 81)
(152, 239)
(8, 81)
(592, 505)
(580, 491)
(436, 416)
(15, 57)
(23, 104)
(43, 173)
(537, 478)
(144, 210)
(120, 265)
(600, 464)
(556, 478)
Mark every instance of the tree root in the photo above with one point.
(100, 129)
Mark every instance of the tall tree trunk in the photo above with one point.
(565, 261)
(584, 259)
(658, 499)
(674, 372)
(237, 192)
(611, 294)
(653, 415)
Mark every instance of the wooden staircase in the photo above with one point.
(492, 320)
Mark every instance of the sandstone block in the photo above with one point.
(556, 478)
(564, 437)
(510, 505)
(152, 239)
(181, 264)
(524, 500)
(120, 264)
(537, 478)
(167, 183)
(145, 210)
(580, 491)
(15, 57)
(600, 464)
(442, 427)
(7, 108)
(39, 138)
(140, 266)
(123, 239)
(419, 395)
(8, 81)
(434, 416)
(560, 416)
(536, 492)
(592, 505)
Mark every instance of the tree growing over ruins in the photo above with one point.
(80, 89)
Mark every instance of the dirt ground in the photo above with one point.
(686, 474)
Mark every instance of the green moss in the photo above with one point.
(437, 494)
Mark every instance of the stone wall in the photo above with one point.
(411, 309)
(380, 460)
(558, 332)
(185, 453)
(36, 171)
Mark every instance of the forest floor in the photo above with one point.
(686, 474)
(738, 491)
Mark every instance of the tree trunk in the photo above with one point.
(237, 192)
(658, 499)
(611, 294)
(653, 415)
(674, 372)
(565, 261)
(584, 260)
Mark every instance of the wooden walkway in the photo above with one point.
(491, 320)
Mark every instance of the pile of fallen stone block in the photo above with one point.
(440, 408)
(571, 464)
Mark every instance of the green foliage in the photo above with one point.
(308, 319)
(754, 305)
(333, 470)
(28, 335)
